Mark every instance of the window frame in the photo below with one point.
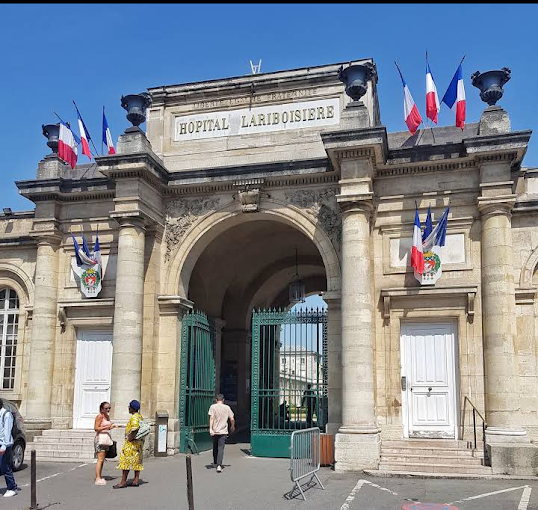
(5, 313)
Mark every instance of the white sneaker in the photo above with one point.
(9, 494)
(219, 469)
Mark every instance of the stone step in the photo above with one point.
(426, 474)
(68, 433)
(425, 443)
(74, 456)
(418, 457)
(415, 467)
(64, 440)
(444, 452)
(41, 447)
(43, 458)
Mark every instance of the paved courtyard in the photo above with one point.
(258, 484)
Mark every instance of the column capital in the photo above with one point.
(332, 298)
(134, 219)
(360, 203)
(502, 205)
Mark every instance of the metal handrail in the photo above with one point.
(484, 426)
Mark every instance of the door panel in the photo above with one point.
(428, 363)
(93, 375)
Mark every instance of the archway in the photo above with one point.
(231, 262)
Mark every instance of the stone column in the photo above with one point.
(498, 316)
(357, 441)
(44, 320)
(128, 317)
(334, 347)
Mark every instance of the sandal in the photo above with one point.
(119, 486)
(101, 481)
(135, 484)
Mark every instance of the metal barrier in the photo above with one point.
(305, 456)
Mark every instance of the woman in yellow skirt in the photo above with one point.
(132, 453)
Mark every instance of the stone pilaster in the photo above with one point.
(334, 346)
(167, 363)
(128, 317)
(219, 324)
(44, 322)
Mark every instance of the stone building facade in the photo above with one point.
(205, 211)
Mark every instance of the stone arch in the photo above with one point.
(527, 271)
(13, 276)
(201, 233)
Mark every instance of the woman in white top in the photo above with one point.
(102, 440)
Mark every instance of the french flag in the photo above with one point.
(411, 115)
(454, 97)
(83, 136)
(67, 146)
(432, 100)
(417, 257)
(107, 137)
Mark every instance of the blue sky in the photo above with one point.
(52, 54)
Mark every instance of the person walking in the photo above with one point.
(219, 414)
(6, 444)
(102, 441)
(132, 452)
(309, 397)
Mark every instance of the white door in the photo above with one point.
(93, 373)
(428, 380)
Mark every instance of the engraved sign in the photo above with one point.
(263, 119)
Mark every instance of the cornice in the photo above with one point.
(423, 167)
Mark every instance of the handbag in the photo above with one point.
(112, 451)
(143, 430)
(104, 439)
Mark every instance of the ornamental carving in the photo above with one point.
(181, 215)
(321, 204)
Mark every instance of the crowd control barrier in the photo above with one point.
(305, 456)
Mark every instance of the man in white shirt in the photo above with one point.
(219, 414)
(6, 443)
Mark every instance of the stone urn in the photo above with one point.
(491, 84)
(136, 105)
(52, 132)
(355, 77)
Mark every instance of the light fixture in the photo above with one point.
(296, 287)
(7, 211)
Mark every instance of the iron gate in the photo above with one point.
(197, 381)
(289, 377)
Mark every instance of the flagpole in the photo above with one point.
(59, 117)
(431, 123)
(102, 150)
(89, 137)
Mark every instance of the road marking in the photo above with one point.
(55, 474)
(525, 498)
(489, 494)
(357, 488)
(351, 496)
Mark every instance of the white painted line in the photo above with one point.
(351, 496)
(488, 494)
(525, 498)
(55, 474)
(357, 488)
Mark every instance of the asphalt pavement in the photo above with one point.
(259, 484)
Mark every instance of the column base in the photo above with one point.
(357, 448)
(332, 428)
(513, 459)
(500, 435)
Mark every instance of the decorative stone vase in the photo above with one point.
(491, 84)
(136, 105)
(52, 133)
(355, 77)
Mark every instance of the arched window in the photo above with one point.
(9, 327)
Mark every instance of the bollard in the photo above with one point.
(33, 488)
(190, 496)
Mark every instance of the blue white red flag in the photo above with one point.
(83, 136)
(432, 99)
(411, 115)
(428, 227)
(437, 236)
(107, 137)
(417, 256)
(67, 146)
(454, 97)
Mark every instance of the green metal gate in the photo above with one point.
(289, 377)
(197, 381)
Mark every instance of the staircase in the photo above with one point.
(432, 456)
(63, 446)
